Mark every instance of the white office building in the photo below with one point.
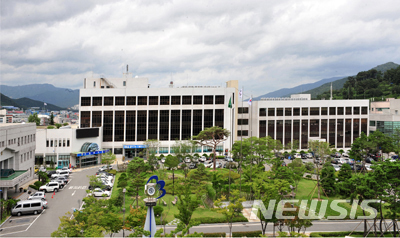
(17, 160)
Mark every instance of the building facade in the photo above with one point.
(301, 119)
(17, 160)
(130, 112)
(385, 116)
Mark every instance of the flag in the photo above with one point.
(230, 103)
(45, 104)
(250, 101)
(240, 93)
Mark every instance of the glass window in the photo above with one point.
(271, 129)
(324, 111)
(219, 117)
(108, 126)
(340, 112)
(348, 111)
(119, 125)
(96, 118)
(208, 100)
(85, 119)
(97, 101)
(164, 100)
(108, 101)
(332, 111)
(263, 112)
(271, 112)
(118, 151)
(85, 101)
(243, 133)
(186, 100)
(296, 111)
(243, 110)
(141, 125)
(371, 123)
(130, 100)
(197, 100)
(304, 112)
(153, 124)
(142, 100)
(263, 128)
(175, 100)
(153, 100)
(119, 101)
(356, 110)
(279, 112)
(219, 99)
(130, 129)
(364, 111)
(314, 111)
(243, 121)
(288, 111)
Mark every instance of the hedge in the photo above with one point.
(247, 234)
(215, 234)
(220, 157)
(207, 220)
(340, 233)
(113, 171)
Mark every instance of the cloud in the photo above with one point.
(266, 45)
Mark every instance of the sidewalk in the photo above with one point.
(22, 195)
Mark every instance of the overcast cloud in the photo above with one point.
(266, 45)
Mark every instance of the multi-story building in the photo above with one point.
(385, 116)
(131, 112)
(299, 118)
(17, 145)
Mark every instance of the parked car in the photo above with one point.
(163, 160)
(195, 159)
(208, 164)
(64, 169)
(203, 159)
(187, 160)
(336, 167)
(62, 173)
(50, 187)
(50, 172)
(395, 157)
(336, 155)
(283, 163)
(37, 195)
(335, 161)
(28, 207)
(309, 155)
(98, 192)
(104, 187)
(105, 167)
(228, 159)
(297, 156)
(344, 154)
(304, 156)
(369, 160)
(192, 166)
(104, 172)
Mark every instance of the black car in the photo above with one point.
(50, 172)
(335, 161)
(304, 156)
(369, 160)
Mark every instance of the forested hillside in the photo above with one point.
(369, 84)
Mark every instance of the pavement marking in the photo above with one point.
(73, 193)
(14, 226)
(25, 225)
(77, 187)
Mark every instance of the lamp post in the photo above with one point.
(123, 209)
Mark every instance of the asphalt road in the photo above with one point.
(64, 201)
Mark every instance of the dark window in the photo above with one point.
(119, 126)
(364, 111)
(356, 128)
(332, 131)
(186, 124)
(263, 112)
(340, 112)
(108, 101)
(271, 129)
(243, 110)
(339, 132)
(197, 121)
(263, 128)
(141, 125)
(219, 99)
(296, 130)
(197, 100)
(208, 99)
(118, 151)
(119, 101)
(164, 124)
(153, 100)
(279, 130)
(85, 101)
(175, 100)
(243, 121)
(186, 100)
(348, 111)
(219, 117)
(153, 125)
(97, 101)
(142, 100)
(347, 133)
(314, 128)
(356, 110)
(288, 131)
(243, 133)
(279, 112)
(332, 111)
(288, 112)
(96, 118)
(208, 118)
(36, 204)
(324, 129)
(164, 100)
(364, 125)
(304, 112)
(130, 125)
(296, 111)
(175, 124)
(271, 112)
(324, 111)
(108, 126)
(304, 133)
(314, 111)
(130, 100)
(85, 119)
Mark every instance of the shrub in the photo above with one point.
(205, 155)
(308, 176)
(246, 234)
(215, 234)
(211, 191)
(113, 171)
(36, 185)
(161, 156)
(196, 155)
(336, 234)
(206, 220)
(58, 125)
(158, 210)
(50, 127)
(220, 157)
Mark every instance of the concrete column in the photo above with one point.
(4, 193)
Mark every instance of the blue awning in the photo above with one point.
(135, 146)
(92, 153)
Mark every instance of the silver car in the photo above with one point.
(37, 195)
(28, 207)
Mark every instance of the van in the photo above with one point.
(61, 173)
(28, 207)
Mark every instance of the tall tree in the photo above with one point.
(321, 149)
(172, 163)
(52, 119)
(328, 179)
(137, 173)
(186, 204)
(151, 151)
(232, 210)
(34, 118)
(212, 137)
(108, 158)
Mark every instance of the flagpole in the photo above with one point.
(241, 141)
(251, 143)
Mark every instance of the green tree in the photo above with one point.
(108, 158)
(58, 125)
(172, 163)
(186, 205)
(392, 171)
(34, 118)
(212, 137)
(232, 210)
(51, 119)
(151, 151)
(321, 149)
(328, 179)
(137, 173)
(95, 182)
(298, 169)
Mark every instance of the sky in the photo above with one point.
(266, 45)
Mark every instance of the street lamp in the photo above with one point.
(123, 209)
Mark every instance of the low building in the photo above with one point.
(17, 145)
(384, 116)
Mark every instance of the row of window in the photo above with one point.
(152, 100)
(163, 125)
(313, 111)
(167, 150)
(20, 140)
(57, 143)
(27, 156)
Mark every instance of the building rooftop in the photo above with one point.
(14, 175)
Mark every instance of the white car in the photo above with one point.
(203, 159)
(187, 160)
(64, 169)
(104, 167)
(228, 159)
(50, 187)
(37, 195)
(208, 164)
(163, 160)
(297, 156)
(98, 192)
(336, 167)
(58, 174)
(309, 155)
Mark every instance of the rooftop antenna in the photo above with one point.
(331, 91)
